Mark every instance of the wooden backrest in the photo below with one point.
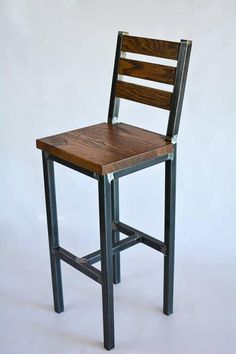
(171, 75)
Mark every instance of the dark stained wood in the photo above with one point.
(147, 71)
(153, 47)
(143, 94)
(105, 148)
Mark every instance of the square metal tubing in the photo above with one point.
(51, 208)
(169, 233)
(108, 189)
(115, 233)
(105, 217)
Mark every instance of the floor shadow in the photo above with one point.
(69, 337)
(138, 304)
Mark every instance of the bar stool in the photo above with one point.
(108, 151)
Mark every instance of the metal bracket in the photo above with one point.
(171, 156)
(96, 176)
(110, 177)
(115, 120)
(172, 139)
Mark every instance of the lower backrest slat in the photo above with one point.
(143, 94)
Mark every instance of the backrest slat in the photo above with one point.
(143, 94)
(148, 71)
(153, 47)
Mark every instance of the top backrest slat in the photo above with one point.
(153, 47)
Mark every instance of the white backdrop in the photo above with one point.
(56, 62)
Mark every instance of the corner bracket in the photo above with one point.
(110, 177)
(172, 139)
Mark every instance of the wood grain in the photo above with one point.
(153, 47)
(148, 71)
(105, 148)
(143, 94)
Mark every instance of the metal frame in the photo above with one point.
(114, 104)
(51, 208)
(110, 224)
(169, 233)
(105, 216)
(115, 232)
(110, 243)
(178, 92)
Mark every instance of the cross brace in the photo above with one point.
(84, 264)
(144, 238)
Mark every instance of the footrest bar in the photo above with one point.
(93, 257)
(80, 264)
(125, 243)
(117, 247)
(144, 238)
(154, 243)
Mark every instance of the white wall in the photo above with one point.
(56, 67)
(56, 61)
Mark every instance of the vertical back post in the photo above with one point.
(178, 92)
(114, 104)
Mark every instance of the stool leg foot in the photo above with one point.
(115, 233)
(170, 191)
(50, 197)
(105, 214)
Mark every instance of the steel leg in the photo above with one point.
(50, 196)
(170, 190)
(105, 214)
(115, 233)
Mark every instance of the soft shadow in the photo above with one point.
(35, 304)
(69, 337)
(138, 304)
(39, 305)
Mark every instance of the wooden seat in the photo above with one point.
(108, 151)
(105, 148)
